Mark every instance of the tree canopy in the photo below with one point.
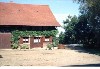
(69, 25)
(90, 10)
(84, 29)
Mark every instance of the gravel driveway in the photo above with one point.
(42, 57)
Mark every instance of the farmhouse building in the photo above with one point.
(27, 18)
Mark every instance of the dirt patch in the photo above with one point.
(42, 57)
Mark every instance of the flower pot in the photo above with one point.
(61, 46)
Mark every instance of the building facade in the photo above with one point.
(25, 17)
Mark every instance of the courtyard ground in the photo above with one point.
(42, 57)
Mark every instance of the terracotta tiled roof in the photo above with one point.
(26, 14)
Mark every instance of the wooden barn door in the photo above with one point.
(5, 39)
(36, 42)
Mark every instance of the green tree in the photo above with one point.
(83, 30)
(69, 25)
(91, 10)
(61, 38)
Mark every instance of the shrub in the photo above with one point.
(14, 46)
(24, 46)
(49, 46)
(55, 41)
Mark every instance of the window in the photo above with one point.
(25, 39)
(47, 39)
(36, 39)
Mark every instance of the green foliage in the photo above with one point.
(14, 46)
(90, 17)
(69, 26)
(93, 51)
(61, 38)
(53, 44)
(70, 23)
(16, 34)
(49, 46)
(55, 41)
(24, 46)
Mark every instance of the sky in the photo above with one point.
(60, 8)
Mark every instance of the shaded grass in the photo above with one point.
(92, 51)
(83, 49)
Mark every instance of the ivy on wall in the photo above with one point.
(16, 34)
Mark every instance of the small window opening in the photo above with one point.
(47, 39)
(25, 39)
(36, 39)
